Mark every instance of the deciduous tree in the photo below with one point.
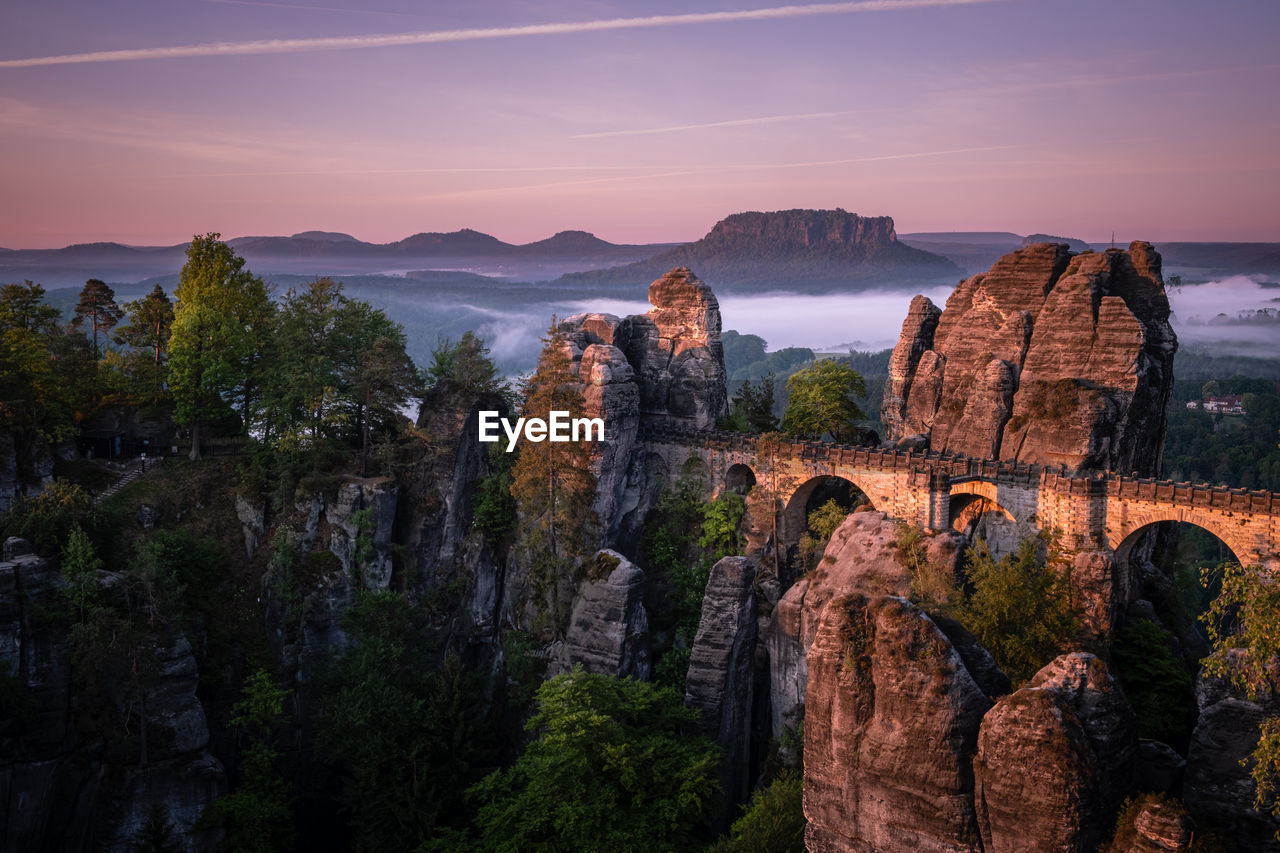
(822, 402)
(219, 325)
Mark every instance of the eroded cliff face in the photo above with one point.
(59, 787)
(1048, 357)
(663, 366)
(891, 720)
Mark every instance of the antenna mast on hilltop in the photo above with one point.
(1113, 239)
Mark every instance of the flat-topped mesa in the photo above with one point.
(676, 352)
(1048, 357)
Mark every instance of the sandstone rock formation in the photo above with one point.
(677, 354)
(892, 717)
(720, 682)
(609, 629)
(1054, 760)
(665, 366)
(58, 793)
(1226, 733)
(1048, 357)
(757, 251)
(861, 557)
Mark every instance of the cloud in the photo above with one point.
(740, 122)
(243, 48)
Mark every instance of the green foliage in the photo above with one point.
(493, 509)
(552, 481)
(157, 835)
(683, 537)
(37, 391)
(823, 402)
(404, 739)
(1021, 610)
(613, 767)
(97, 305)
(1232, 450)
(1154, 680)
(340, 372)
(147, 333)
(257, 815)
(80, 566)
(933, 586)
(721, 523)
(753, 406)
(46, 518)
(1246, 617)
(220, 326)
(824, 520)
(466, 364)
(773, 822)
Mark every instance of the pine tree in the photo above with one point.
(149, 328)
(553, 481)
(768, 497)
(97, 305)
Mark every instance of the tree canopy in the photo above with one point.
(218, 330)
(613, 766)
(823, 402)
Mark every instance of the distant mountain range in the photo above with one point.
(800, 250)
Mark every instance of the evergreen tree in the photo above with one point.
(157, 835)
(768, 497)
(222, 318)
(614, 766)
(149, 328)
(97, 305)
(258, 814)
(553, 481)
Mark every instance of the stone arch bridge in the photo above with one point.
(1102, 515)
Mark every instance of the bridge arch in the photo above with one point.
(1123, 538)
(976, 513)
(812, 494)
(738, 479)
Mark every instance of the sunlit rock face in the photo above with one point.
(1055, 759)
(891, 721)
(677, 354)
(1048, 357)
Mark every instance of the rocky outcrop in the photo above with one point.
(758, 251)
(609, 392)
(676, 352)
(609, 627)
(862, 556)
(720, 682)
(1048, 357)
(56, 790)
(1055, 759)
(892, 717)
(1217, 777)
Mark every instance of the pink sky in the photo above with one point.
(1155, 120)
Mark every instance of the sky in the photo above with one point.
(148, 121)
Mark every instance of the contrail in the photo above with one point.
(731, 123)
(241, 48)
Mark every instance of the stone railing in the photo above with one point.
(964, 469)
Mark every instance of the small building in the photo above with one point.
(1229, 404)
